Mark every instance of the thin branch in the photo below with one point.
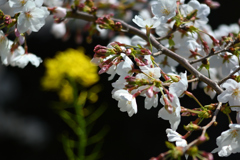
(212, 54)
(184, 62)
(204, 129)
(189, 81)
(157, 53)
(226, 78)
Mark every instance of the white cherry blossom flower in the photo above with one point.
(181, 86)
(125, 66)
(151, 102)
(18, 57)
(229, 141)
(152, 72)
(173, 136)
(164, 8)
(225, 63)
(32, 17)
(126, 101)
(146, 23)
(174, 117)
(19, 4)
(202, 11)
(231, 94)
(23, 59)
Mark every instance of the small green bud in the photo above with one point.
(205, 114)
(169, 145)
(191, 127)
(226, 109)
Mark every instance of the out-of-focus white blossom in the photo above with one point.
(59, 12)
(58, 29)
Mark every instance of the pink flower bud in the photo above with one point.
(215, 41)
(206, 47)
(104, 69)
(149, 92)
(212, 4)
(128, 52)
(139, 62)
(146, 51)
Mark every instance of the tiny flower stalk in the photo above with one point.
(148, 30)
(189, 94)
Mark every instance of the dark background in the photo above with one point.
(30, 129)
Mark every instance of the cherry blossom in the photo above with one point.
(126, 101)
(164, 8)
(231, 94)
(173, 115)
(173, 136)
(202, 11)
(181, 86)
(32, 17)
(58, 29)
(229, 141)
(146, 23)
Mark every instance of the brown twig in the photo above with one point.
(226, 78)
(212, 54)
(189, 81)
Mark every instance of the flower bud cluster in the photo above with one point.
(106, 22)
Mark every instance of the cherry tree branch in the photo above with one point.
(204, 129)
(184, 62)
(226, 78)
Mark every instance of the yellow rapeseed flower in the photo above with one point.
(72, 63)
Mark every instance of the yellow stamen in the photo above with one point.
(235, 93)
(165, 10)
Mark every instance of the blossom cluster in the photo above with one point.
(171, 33)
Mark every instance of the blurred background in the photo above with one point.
(30, 129)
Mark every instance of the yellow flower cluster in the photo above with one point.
(72, 63)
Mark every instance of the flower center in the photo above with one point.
(165, 11)
(2, 39)
(235, 93)
(234, 133)
(23, 2)
(28, 15)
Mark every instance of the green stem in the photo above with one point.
(192, 96)
(229, 119)
(82, 133)
(78, 104)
